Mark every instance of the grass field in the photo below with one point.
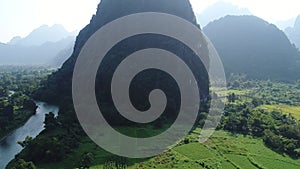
(286, 109)
(223, 150)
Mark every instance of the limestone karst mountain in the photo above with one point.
(109, 10)
(58, 88)
(252, 46)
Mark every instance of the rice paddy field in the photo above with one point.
(223, 150)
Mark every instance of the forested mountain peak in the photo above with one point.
(252, 46)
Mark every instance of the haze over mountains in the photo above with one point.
(53, 45)
(285, 23)
(294, 33)
(40, 47)
(42, 35)
(218, 10)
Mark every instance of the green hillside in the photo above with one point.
(222, 150)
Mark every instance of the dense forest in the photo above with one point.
(253, 109)
(16, 87)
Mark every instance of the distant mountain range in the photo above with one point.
(285, 23)
(42, 35)
(40, 47)
(218, 10)
(249, 45)
(294, 33)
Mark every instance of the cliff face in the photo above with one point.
(294, 33)
(58, 87)
(109, 10)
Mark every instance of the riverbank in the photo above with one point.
(9, 146)
(21, 117)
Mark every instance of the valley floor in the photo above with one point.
(222, 150)
(268, 110)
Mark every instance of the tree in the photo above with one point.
(256, 102)
(272, 140)
(26, 142)
(232, 98)
(50, 121)
(8, 111)
(290, 131)
(115, 163)
(3, 92)
(29, 105)
(86, 160)
(22, 164)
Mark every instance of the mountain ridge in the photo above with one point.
(250, 45)
(41, 35)
(32, 55)
(219, 10)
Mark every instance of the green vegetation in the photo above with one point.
(16, 85)
(21, 164)
(285, 109)
(255, 137)
(222, 150)
(248, 113)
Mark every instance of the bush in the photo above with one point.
(22, 164)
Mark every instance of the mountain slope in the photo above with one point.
(42, 46)
(32, 55)
(294, 33)
(62, 56)
(250, 45)
(109, 10)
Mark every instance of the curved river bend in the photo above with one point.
(9, 146)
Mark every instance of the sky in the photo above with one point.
(20, 17)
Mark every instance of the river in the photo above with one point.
(9, 146)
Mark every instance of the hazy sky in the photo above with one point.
(20, 17)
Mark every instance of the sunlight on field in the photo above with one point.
(293, 110)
